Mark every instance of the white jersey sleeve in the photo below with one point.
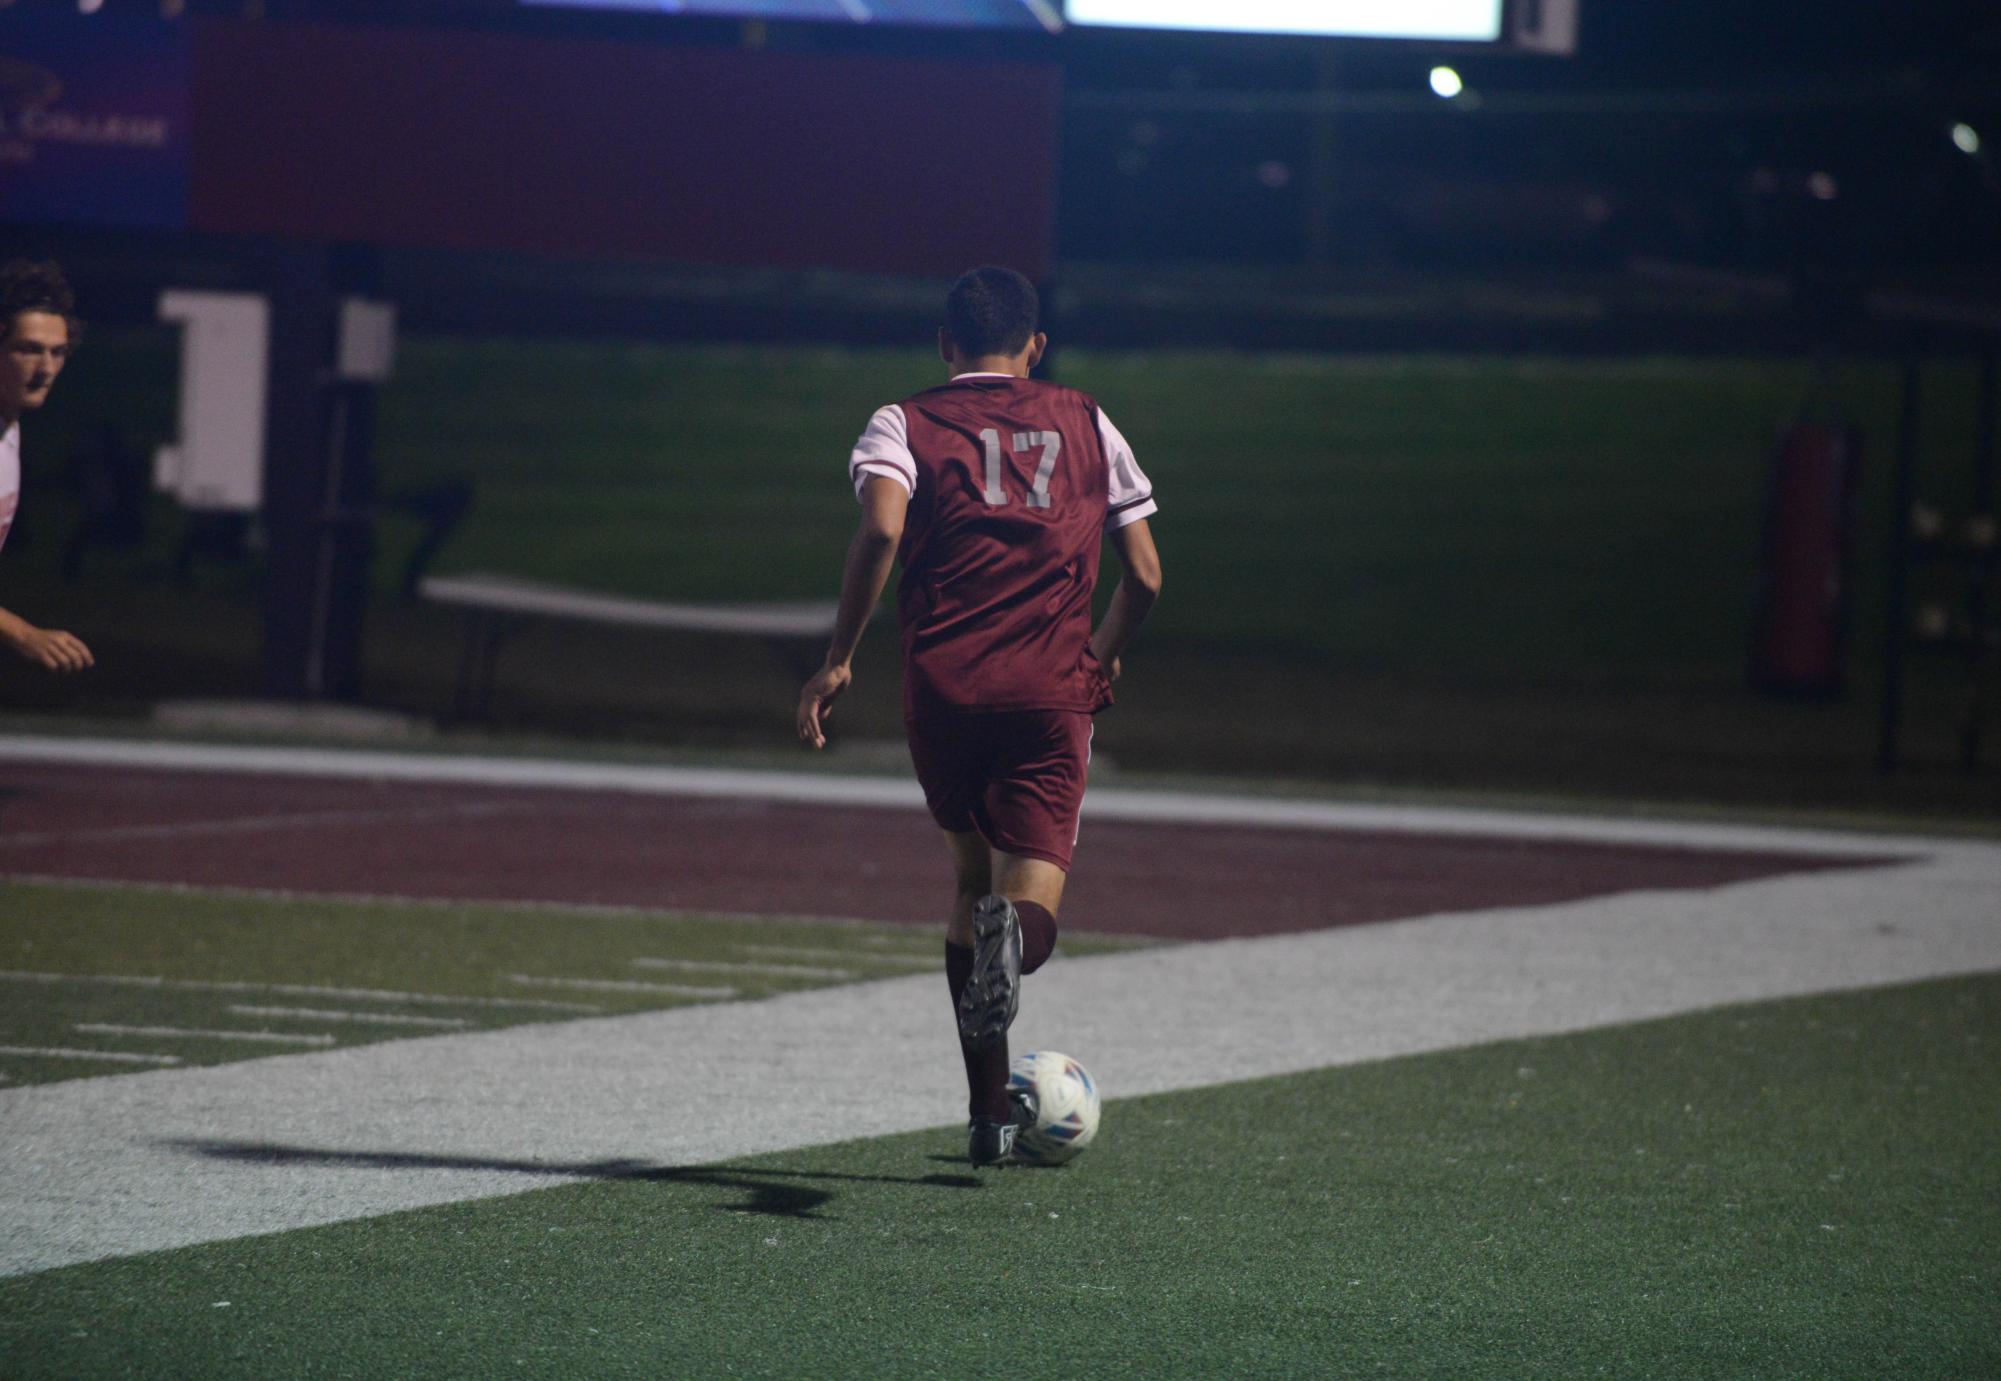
(10, 478)
(1131, 492)
(884, 449)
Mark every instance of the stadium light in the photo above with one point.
(1966, 138)
(1445, 81)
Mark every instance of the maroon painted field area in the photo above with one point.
(401, 839)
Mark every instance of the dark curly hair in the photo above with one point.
(27, 286)
(991, 311)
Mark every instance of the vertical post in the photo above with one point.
(344, 538)
(303, 324)
(1895, 619)
(1980, 555)
(319, 482)
(1985, 420)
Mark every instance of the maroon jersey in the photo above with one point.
(1013, 484)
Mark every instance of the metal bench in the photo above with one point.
(796, 630)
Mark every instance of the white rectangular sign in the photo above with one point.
(1467, 20)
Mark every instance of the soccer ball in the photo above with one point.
(1066, 1106)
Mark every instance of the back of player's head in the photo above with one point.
(26, 286)
(991, 311)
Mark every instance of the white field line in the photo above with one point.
(851, 956)
(107, 1028)
(538, 908)
(354, 1018)
(743, 966)
(619, 985)
(1102, 803)
(56, 1052)
(96, 1168)
(263, 824)
(210, 985)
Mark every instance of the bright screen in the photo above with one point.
(1477, 20)
(957, 14)
(1470, 20)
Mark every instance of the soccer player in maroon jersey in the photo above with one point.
(996, 492)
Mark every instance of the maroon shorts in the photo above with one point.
(1015, 776)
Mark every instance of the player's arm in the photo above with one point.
(1139, 587)
(870, 556)
(48, 647)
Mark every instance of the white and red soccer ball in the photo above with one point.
(1066, 1100)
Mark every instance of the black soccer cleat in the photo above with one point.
(989, 1142)
(993, 992)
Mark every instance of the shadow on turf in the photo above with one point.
(767, 1190)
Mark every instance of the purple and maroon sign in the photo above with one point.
(93, 120)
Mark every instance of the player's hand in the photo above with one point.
(52, 648)
(816, 703)
(1111, 669)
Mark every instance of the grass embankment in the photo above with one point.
(1522, 575)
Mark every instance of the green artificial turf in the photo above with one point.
(1799, 1188)
(381, 960)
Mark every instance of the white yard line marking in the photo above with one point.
(56, 1052)
(97, 1168)
(917, 961)
(109, 1028)
(258, 824)
(619, 985)
(536, 908)
(1104, 803)
(744, 966)
(297, 990)
(356, 1018)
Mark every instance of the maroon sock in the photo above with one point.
(986, 1069)
(1038, 934)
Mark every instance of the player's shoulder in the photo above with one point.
(972, 387)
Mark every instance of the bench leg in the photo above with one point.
(489, 661)
(472, 698)
(468, 657)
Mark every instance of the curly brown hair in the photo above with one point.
(30, 286)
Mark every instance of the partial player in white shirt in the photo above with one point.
(36, 312)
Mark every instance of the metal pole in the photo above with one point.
(1980, 574)
(1895, 615)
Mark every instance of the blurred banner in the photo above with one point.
(93, 120)
(700, 155)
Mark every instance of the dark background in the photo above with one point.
(1585, 295)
